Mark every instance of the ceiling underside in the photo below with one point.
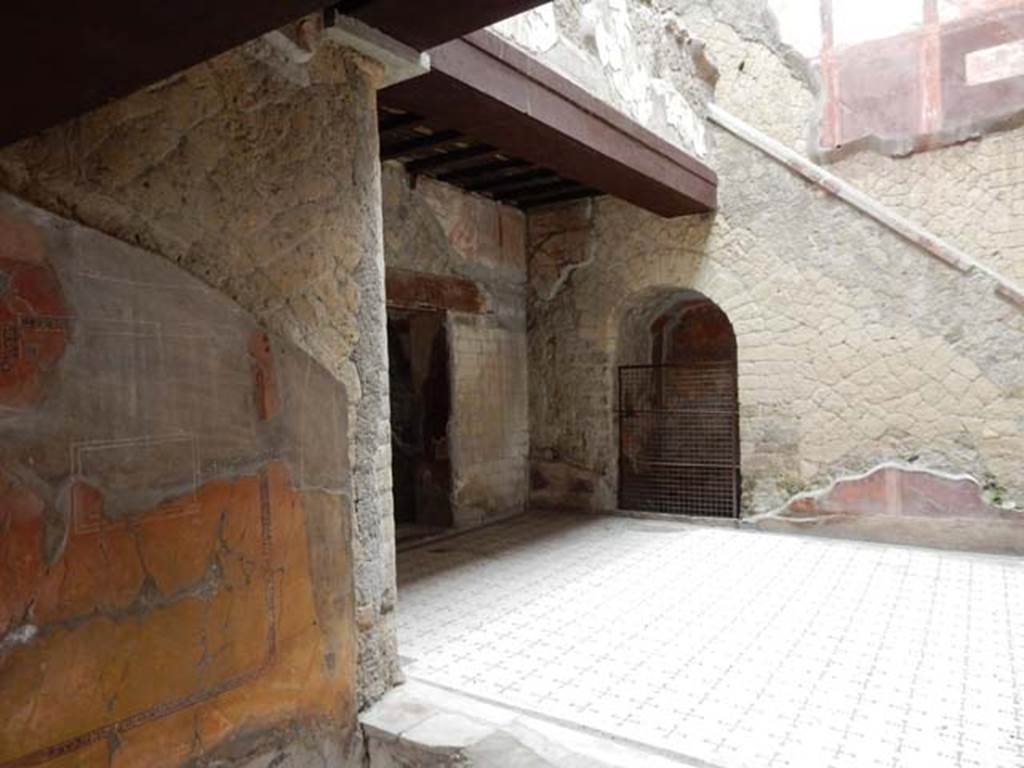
(429, 27)
(59, 61)
(455, 158)
(492, 120)
(487, 117)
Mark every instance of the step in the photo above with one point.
(420, 724)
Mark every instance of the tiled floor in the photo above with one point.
(733, 647)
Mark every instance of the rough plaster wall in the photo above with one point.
(628, 54)
(971, 193)
(761, 80)
(439, 230)
(174, 515)
(261, 177)
(854, 347)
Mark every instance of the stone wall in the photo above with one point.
(490, 432)
(628, 54)
(971, 193)
(260, 176)
(855, 346)
(437, 230)
(175, 508)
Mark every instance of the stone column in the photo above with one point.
(258, 172)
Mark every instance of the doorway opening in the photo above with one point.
(420, 409)
(678, 410)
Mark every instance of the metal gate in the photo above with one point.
(679, 439)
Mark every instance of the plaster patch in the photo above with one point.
(891, 489)
(989, 65)
(18, 636)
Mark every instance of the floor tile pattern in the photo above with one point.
(737, 648)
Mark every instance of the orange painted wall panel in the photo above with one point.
(174, 513)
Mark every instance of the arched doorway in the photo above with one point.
(678, 409)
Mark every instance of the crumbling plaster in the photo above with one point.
(766, 82)
(261, 177)
(630, 55)
(854, 345)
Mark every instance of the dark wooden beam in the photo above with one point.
(495, 93)
(524, 194)
(513, 182)
(407, 147)
(426, 23)
(405, 289)
(445, 159)
(391, 121)
(480, 171)
(59, 61)
(557, 197)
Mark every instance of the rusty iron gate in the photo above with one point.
(679, 439)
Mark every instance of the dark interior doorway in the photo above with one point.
(420, 410)
(679, 448)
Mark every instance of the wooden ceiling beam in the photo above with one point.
(497, 94)
(409, 146)
(478, 171)
(392, 121)
(514, 183)
(60, 61)
(445, 159)
(557, 197)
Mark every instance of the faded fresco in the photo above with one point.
(174, 512)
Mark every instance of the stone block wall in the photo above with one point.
(471, 254)
(490, 425)
(259, 176)
(854, 347)
(971, 194)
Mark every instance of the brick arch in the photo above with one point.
(676, 315)
(675, 419)
(694, 331)
(602, 325)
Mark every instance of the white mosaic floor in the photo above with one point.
(732, 647)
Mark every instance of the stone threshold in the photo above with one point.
(423, 724)
(454, 533)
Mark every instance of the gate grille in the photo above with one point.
(679, 439)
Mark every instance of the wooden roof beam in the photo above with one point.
(445, 159)
(497, 94)
(409, 146)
